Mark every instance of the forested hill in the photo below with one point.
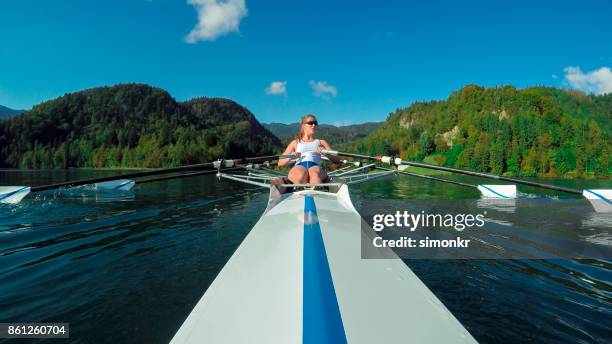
(336, 136)
(130, 125)
(537, 131)
(7, 112)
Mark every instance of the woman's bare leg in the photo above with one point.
(298, 175)
(316, 174)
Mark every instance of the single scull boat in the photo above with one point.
(299, 277)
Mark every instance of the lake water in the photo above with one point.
(129, 267)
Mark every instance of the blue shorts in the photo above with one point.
(307, 164)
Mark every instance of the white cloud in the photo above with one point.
(598, 81)
(216, 18)
(277, 88)
(323, 89)
(554, 76)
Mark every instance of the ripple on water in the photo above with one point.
(132, 268)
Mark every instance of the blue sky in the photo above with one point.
(346, 61)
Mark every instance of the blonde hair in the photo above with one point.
(302, 121)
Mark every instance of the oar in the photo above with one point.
(73, 183)
(430, 177)
(184, 175)
(14, 194)
(600, 198)
(487, 190)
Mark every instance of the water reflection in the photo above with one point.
(497, 204)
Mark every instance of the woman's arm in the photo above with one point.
(290, 149)
(325, 145)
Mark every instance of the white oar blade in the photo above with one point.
(601, 199)
(13, 194)
(498, 191)
(116, 185)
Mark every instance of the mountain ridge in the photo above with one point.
(130, 125)
(535, 131)
(8, 112)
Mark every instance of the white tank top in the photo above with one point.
(308, 151)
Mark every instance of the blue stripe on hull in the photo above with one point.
(322, 322)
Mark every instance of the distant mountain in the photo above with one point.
(7, 112)
(130, 125)
(538, 131)
(282, 130)
(335, 136)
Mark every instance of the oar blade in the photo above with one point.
(498, 191)
(116, 185)
(601, 199)
(13, 194)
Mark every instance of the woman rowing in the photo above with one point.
(307, 148)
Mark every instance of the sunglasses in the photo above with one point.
(312, 123)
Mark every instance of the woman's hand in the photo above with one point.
(325, 145)
(289, 150)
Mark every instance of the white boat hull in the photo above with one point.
(298, 277)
